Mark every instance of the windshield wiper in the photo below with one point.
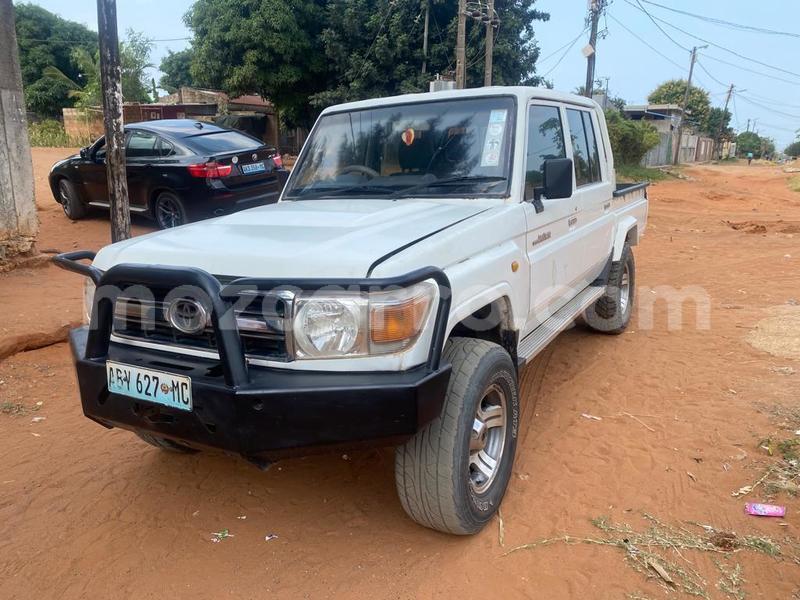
(337, 191)
(458, 180)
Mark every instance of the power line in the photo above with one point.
(772, 110)
(725, 23)
(707, 72)
(558, 62)
(92, 42)
(724, 48)
(736, 113)
(559, 49)
(775, 102)
(661, 29)
(661, 54)
(740, 67)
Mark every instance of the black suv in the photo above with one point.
(179, 170)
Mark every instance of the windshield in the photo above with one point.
(442, 148)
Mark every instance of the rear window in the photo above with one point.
(223, 141)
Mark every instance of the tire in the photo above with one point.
(68, 197)
(165, 444)
(169, 211)
(435, 473)
(612, 312)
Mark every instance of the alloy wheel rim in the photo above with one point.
(487, 439)
(168, 213)
(62, 192)
(624, 290)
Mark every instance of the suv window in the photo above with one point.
(141, 144)
(166, 148)
(584, 147)
(545, 140)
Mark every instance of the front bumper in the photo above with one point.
(249, 410)
(280, 410)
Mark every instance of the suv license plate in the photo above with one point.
(253, 168)
(174, 391)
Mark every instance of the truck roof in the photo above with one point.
(522, 93)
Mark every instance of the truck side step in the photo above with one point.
(536, 340)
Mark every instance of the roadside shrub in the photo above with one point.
(51, 133)
(630, 140)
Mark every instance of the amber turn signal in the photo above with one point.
(397, 322)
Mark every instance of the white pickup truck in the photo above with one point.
(424, 248)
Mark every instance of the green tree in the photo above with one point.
(750, 141)
(271, 47)
(715, 118)
(630, 140)
(176, 67)
(305, 55)
(135, 59)
(46, 97)
(793, 149)
(673, 92)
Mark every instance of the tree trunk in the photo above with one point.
(18, 222)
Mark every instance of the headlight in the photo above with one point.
(88, 300)
(348, 325)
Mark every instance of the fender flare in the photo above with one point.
(624, 228)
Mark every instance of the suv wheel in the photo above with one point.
(164, 443)
(452, 474)
(169, 211)
(612, 312)
(73, 207)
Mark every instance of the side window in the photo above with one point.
(166, 148)
(100, 152)
(584, 147)
(594, 155)
(141, 144)
(545, 140)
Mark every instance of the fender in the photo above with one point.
(502, 292)
(624, 226)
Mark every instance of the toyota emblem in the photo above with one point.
(188, 316)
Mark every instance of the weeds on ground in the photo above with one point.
(12, 408)
(659, 553)
(635, 173)
(51, 133)
(794, 183)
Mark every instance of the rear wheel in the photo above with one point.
(73, 206)
(165, 444)
(612, 312)
(452, 474)
(169, 211)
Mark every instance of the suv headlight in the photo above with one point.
(334, 325)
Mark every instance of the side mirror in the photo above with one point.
(557, 181)
(84, 152)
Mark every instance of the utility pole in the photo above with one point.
(425, 37)
(685, 102)
(111, 82)
(461, 34)
(748, 125)
(718, 137)
(487, 76)
(18, 222)
(595, 7)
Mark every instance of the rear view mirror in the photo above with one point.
(557, 178)
(84, 152)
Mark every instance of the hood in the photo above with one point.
(310, 238)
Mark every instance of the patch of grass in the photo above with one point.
(12, 408)
(634, 173)
(794, 183)
(50, 133)
(658, 553)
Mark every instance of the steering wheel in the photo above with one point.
(361, 169)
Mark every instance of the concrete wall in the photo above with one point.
(82, 123)
(18, 221)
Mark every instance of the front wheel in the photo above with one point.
(169, 211)
(452, 475)
(73, 206)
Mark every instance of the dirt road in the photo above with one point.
(91, 513)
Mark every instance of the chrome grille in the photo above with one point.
(261, 322)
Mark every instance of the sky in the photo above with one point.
(634, 66)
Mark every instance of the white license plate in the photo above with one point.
(162, 388)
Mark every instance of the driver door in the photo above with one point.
(548, 237)
(93, 174)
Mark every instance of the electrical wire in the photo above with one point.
(560, 48)
(377, 35)
(772, 110)
(771, 101)
(724, 48)
(661, 54)
(90, 42)
(661, 29)
(725, 23)
(736, 112)
(740, 67)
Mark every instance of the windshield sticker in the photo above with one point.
(407, 136)
(494, 138)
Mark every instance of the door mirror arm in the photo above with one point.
(538, 191)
